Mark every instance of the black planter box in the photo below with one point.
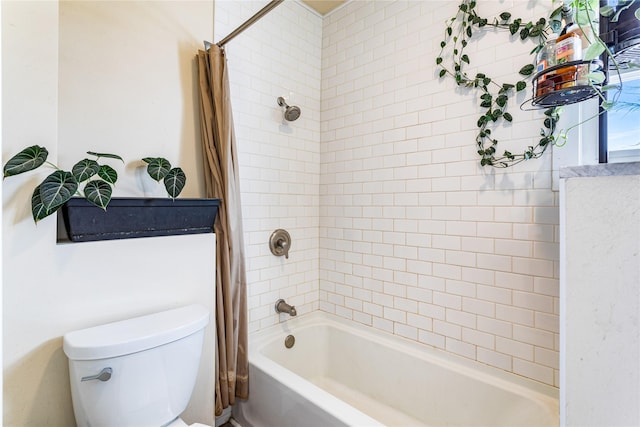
(127, 218)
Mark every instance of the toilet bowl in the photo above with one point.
(138, 372)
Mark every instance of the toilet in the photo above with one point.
(138, 372)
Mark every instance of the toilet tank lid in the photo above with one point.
(133, 335)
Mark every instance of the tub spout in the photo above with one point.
(283, 307)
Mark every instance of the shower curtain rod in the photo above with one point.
(272, 4)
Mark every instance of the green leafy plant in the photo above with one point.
(495, 96)
(160, 169)
(98, 179)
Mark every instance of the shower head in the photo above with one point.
(291, 113)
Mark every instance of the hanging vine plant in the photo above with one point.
(495, 96)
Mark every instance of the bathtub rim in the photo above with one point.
(545, 395)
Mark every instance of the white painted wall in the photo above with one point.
(128, 84)
(132, 92)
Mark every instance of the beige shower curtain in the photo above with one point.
(221, 182)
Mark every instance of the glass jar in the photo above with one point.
(547, 55)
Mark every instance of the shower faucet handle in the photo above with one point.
(285, 247)
(280, 243)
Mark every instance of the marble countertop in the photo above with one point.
(604, 169)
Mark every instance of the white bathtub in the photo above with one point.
(340, 373)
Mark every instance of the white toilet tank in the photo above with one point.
(138, 372)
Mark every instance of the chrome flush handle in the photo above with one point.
(104, 375)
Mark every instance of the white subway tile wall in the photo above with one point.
(394, 224)
(280, 55)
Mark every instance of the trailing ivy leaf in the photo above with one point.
(28, 159)
(514, 27)
(486, 81)
(508, 117)
(56, 189)
(506, 86)
(464, 43)
(544, 141)
(526, 70)
(443, 72)
(85, 169)
(108, 173)
(455, 51)
(594, 51)
(463, 7)
(596, 77)
(472, 4)
(535, 32)
(465, 58)
(449, 31)
(524, 33)
(469, 32)
(438, 60)
(107, 155)
(485, 104)
(547, 123)
(501, 100)
(607, 11)
(480, 76)
(98, 192)
(581, 16)
(174, 182)
(483, 22)
(505, 16)
(442, 44)
(157, 167)
(557, 12)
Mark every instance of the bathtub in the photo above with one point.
(340, 373)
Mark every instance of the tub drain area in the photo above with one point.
(289, 341)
